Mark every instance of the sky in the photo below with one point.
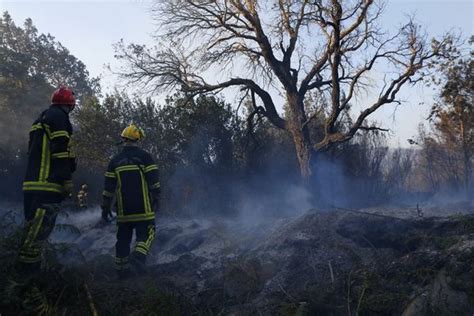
(89, 28)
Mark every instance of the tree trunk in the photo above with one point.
(466, 157)
(303, 153)
(300, 134)
(467, 174)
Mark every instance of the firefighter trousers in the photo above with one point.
(40, 210)
(145, 234)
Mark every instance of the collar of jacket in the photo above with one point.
(129, 147)
(60, 107)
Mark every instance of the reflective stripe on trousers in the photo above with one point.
(37, 231)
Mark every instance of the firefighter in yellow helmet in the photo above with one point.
(132, 178)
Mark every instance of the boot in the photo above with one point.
(137, 262)
(124, 274)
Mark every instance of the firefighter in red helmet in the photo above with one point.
(48, 175)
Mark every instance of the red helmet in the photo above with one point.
(63, 96)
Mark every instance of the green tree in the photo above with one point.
(197, 133)
(451, 144)
(34, 64)
(98, 124)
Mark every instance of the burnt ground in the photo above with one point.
(378, 261)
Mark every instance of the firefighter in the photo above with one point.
(82, 197)
(48, 176)
(132, 177)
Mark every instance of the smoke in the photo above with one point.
(447, 198)
(203, 190)
(286, 201)
(15, 126)
(82, 219)
(86, 235)
(331, 185)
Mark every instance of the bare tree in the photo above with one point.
(290, 48)
(399, 171)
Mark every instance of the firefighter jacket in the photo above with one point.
(132, 176)
(50, 161)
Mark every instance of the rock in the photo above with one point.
(445, 300)
(439, 299)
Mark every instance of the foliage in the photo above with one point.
(98, 126)
(449, 147)
(33, 65)
(200, 133)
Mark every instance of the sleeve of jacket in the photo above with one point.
(60, 135)
(152, 175)
(110, 182)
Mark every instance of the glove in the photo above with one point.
(106, 213)
(73, 164)
(67, 188)
(155, 202)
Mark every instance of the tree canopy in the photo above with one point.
(449, 147)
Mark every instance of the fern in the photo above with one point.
(37, 301)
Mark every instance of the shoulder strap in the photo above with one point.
(137, 161)
(41, 121)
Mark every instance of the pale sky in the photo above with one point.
(89, 28)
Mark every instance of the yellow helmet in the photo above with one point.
(132, 132)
